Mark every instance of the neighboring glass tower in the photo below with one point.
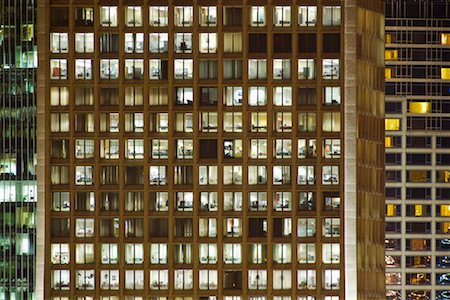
(417, 149)
(18, 63)
(211, 150)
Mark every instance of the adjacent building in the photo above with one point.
(211, 150)
(417, 149)
(18, 63)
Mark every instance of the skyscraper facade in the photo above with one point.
(18, 63)
(417, 146)
(211, 150)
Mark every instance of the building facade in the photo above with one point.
(18, 63)
(417, 147)
(211, 150)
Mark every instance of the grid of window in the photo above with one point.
(417, 205)
(202, 161)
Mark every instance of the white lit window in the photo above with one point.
(208, 122)
(59, 96)
(157, 175)
(232, 201)
(109, 254)
(307, 15)
(183, 279)
(158, 253)
(109, 279)
(282, 148)
(331, 253)
(84, 148)
(257, 16)
(108, 16)
(232, 227)
(59, 122)
(184, 201)
(160, 149)
(306, 279)
(208, 16)
(232, 253)
(281, 69)
(258, 148)
(109, 68)
(158, 69)
(60, 254)
(133, 16)
(232, 122)
(330, 175)
(257, 279)
(258, 122)
(332, 95)
(331, 15)
(158, 16)
(233, 96)
(185, 149)
(109, 148)
(283, 122)
(183, 68)
(257, 96)
(282, 253)
(257, 201)
(331, 227)
(134, 69)
(208, 42)
(58, 69)
(257, 69)
(282, 280)
(185, 95)
(134, 149)
(207, 227)
(282, 96)
(208, 279)
(208, 201)
(257, 175)
(306, 175)
(306, 68)
(159, 279)
(331, 279)
(330, 68)
(207, 175)
(83, 69)
(282, 201)
(281, 175)
(306, 253)
(84, 42)
(282, 16)
(232, 42)
(306, 227)
(134, 122)
(84, 175)
(184, 16)
(59, 42)
(183, 42)
(158, 42)
(134, 42)
(331, 122)
(331, 148)
(61, 280)
(84, 253)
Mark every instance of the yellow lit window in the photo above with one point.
(445, 73)
(388, 38)
(392, 124)
(417, 176)
(445, 227)
(444, 176)
(445, 210)
(389, 142)
(418, 210)
(419, 107)
(390, 54)
(388, 72)
(391, 210)
(445, 39)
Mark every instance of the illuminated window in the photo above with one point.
(443, 176)
(391, 210)
(445, 38)
(388, 73)
(418, 210)
(388, 142)
(445, 210)
(392, 124)
(390, 55)
(445, 73)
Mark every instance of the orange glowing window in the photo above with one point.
(388, 73)
(389, 142)
(445, 73)
(418, 210)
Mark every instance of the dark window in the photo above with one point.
(331, 42)
(84, 16)
(60, 16)
(393, 107)
(393, 227)
(208, 96)
(159, 228)
(393, 193)
(257, 227)
(208, 149)
(134, 175)
(306, 96)
(232, 16)
(282, 43)
(418, 193)
(109, 43)
(307, 42)
(418, 227)
(257, 43)
(419, 142)
(232, 280)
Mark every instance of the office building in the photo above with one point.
(211, 150)
(417, 149)
(18, 63)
